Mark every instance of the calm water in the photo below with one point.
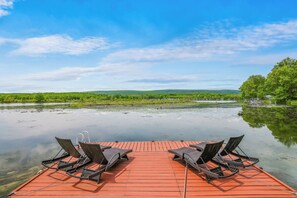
(27, 135)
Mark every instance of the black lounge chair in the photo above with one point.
(68, 151)
(229, 153)
(105, 159)
(199, 160)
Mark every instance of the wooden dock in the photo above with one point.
(151, 172)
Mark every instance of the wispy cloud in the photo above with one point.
(62, 44)
(63, 74)
(263, 59)
(163, 80)
(130, 66)
(18, 87)
(76, 73)
(5, 6)
(135, 68)
(205, 44)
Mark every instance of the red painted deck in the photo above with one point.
(151, 172)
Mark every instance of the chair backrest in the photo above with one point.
(94, 152)
(210, 150)
(231, 145)
(68, 147)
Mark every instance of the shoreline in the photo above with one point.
(166, 105)
(111, 104)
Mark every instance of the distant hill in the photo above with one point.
(165, 91)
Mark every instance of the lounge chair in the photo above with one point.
(201, 160)
(67, 152)
(105, 159)
(229, 153)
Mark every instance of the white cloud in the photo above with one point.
(163, 79)
(213, 42)
(63, 74)
(75, 73)
(264, 59)
(135, 68)
(130, 66)
(62, 44)
(206, 44)
(5, 6)
(9, 87)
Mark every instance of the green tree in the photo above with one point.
(281, 82)
(253, 87)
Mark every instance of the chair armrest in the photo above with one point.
(103, 148)
(109, 164)
(189, 157)
(102, 169)
(200, 146)
(72, 170)
(47, 163)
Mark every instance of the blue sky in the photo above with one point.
(81, 45)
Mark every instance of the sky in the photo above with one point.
(85, 45)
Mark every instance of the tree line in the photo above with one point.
(280, 84)
(86, 97)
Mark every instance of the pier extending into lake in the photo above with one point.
(151, 172)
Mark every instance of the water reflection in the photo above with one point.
(281, 121)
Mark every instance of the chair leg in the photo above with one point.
(99, 177)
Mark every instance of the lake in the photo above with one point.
(27, 133)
